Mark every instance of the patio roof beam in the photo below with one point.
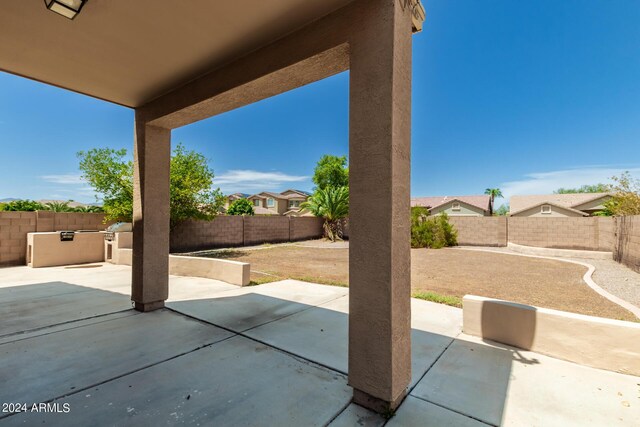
(312, 53)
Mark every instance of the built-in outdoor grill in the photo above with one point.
(118, 227)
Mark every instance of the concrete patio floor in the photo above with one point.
(274, 354)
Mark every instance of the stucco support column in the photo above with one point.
(150, 269)
(379, 252)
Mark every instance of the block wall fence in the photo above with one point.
(229, 231)
(618, 235)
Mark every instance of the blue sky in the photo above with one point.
(525, 96)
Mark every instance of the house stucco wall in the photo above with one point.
(593, 206)
(465, 210)
(556, 212)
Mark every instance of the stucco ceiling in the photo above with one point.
(132, 51)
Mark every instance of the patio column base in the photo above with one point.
(148, 306)
(376, 404)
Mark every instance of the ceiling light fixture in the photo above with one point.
(67, 8)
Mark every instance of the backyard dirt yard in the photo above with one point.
(448, 272)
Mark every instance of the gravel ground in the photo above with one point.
(616, 278)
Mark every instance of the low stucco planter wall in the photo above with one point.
(234, 272)
(46, 249)
(118, 251)
(608, 344)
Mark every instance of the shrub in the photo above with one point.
(23, 206)
(431, 231)
(240, 207)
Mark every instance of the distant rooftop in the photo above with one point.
(482, 201)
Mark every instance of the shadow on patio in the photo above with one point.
(273, 354)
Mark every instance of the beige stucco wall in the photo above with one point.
(113, 250)
(556, 212)
(601, 343)
(593, 206)
(234, 272)
(465, 210)
(46, 249)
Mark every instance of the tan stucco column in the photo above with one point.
(150, 268)
(379, 253)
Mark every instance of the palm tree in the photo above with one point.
(493, 192)
(332, 204)
(58, 207)
(88, 209)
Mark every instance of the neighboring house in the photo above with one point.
(285, 203)
(558, 205)
(232, 198)
(456, 205)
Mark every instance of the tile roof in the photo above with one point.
(521, 203)
(481, 201)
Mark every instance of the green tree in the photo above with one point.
(494, 193)
(190, 183)
(23, 206)
(502, 210)
(111, 175)
(240, 207)
(332, 204)
(626, 197)
(594, 188)
(58, 207)
(331, 171)
(191, 197)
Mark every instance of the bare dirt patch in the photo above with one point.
(448, 272)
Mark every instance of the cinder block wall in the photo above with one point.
(302, 228)
(14, 227)
(606, 233)
(481, 231)
(627, 244)
(223, 231)
(564, 233)
(266, 229)
(230, 231)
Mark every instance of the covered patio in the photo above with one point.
(286, 353)
(274, 354)
(176, 63)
